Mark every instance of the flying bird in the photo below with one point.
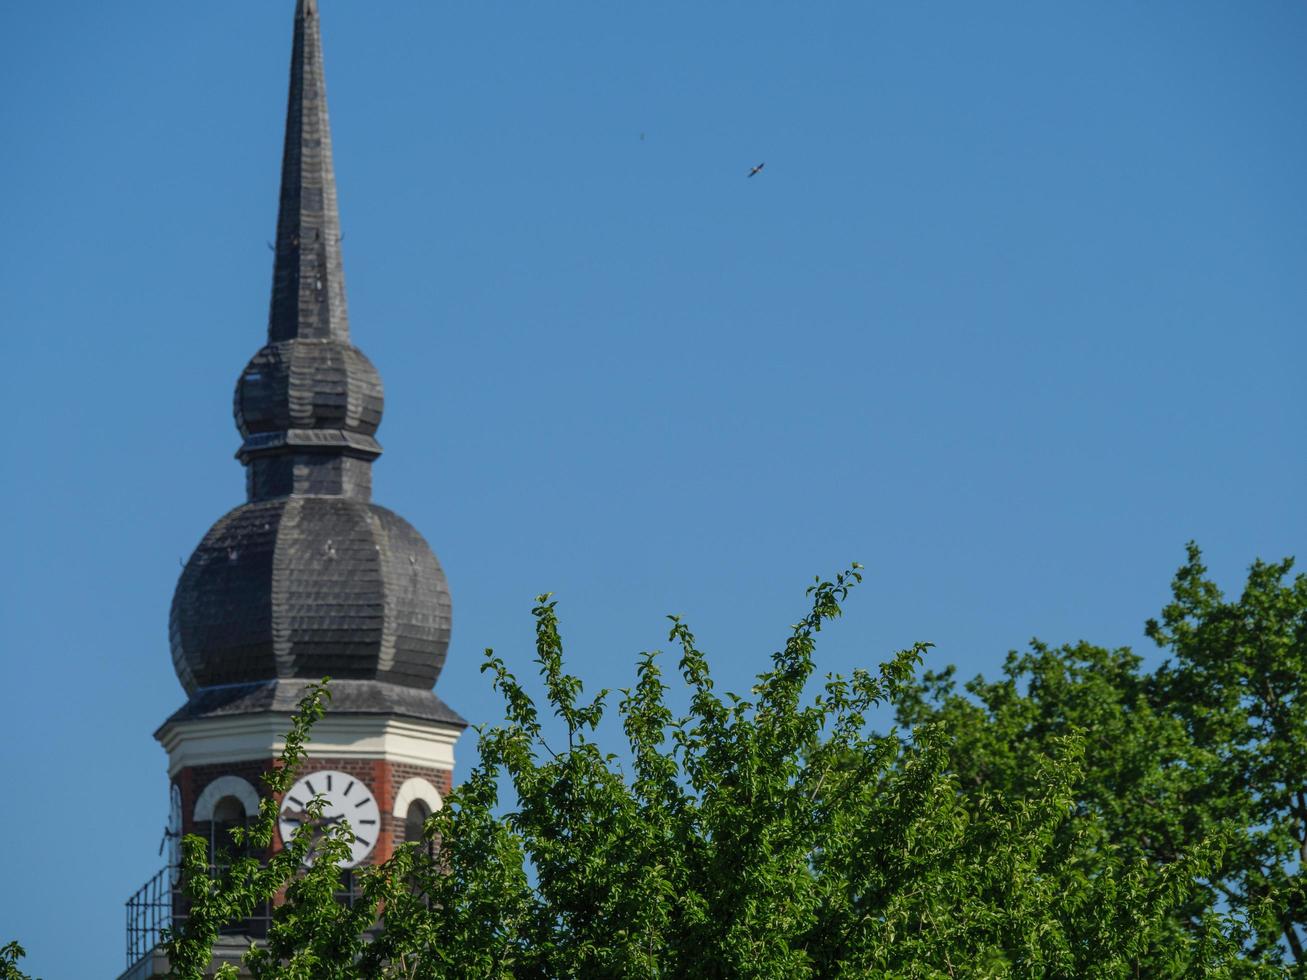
(757, 169)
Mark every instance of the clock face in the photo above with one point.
(347, 800)
(174, 833)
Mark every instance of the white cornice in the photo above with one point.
(243, 738)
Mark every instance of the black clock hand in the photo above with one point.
(303, 818)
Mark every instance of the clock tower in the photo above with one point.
(309, 578)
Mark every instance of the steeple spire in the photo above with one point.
(308, 404)
(309, 577)
(308, 284)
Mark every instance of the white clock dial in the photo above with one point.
(174, 833)
(347, 800)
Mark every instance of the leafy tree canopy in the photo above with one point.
(1078, 817)
(1207, 748)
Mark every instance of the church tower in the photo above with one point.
(309, 578)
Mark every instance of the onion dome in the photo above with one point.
(308, 384)
(309, 578)
(303, 586)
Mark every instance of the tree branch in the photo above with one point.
(1295, 944)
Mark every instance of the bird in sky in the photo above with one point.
(757, 169)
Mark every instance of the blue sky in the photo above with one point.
(1016, 309)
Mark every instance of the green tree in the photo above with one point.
(1236, 681)
(775, 835)
(10, 954)
(1207, 747)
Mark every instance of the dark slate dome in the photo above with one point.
(306, 587)
(307, 383)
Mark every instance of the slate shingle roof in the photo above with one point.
(306, 586)
(309, 385)
(350, 697)
(309, 578)
(308, 282)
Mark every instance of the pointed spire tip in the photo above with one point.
(308, 292)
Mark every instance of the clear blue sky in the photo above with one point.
(1016, 308)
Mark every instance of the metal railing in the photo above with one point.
(157, 906)
(149, 912)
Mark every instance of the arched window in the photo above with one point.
(228, 812)
(414, 820)
(226, 802)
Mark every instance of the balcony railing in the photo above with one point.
(157, 906)
(149, 912)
